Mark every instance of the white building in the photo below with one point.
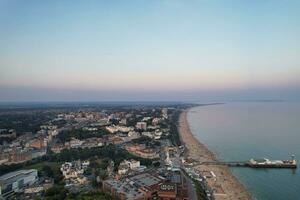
(75, 143)
(164, 112)
(123, 168)
(134, 164)
(148, 134)
(73, 169)
(90, 129)
(155, 121)
(133, 135)
(123, 121)
(146, 119)
(114, 129)
(127, 165)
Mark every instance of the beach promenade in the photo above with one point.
(230, 187)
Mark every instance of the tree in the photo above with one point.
(47, 171)
(57, 192)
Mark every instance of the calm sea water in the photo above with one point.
(240, 131)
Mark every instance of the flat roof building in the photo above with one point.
(148, 185)
(141, 186)
(17, 181)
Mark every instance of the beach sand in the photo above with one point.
(199, 152)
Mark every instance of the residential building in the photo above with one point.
(141, 125)
(11, 133)
(155, 121)
(127, 165)
(142, 151)
(133, 135)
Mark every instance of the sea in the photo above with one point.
(240, 131)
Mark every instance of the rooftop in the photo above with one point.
(15, 174)
(146, 179)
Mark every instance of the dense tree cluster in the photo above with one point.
(106, 152)
(174, 132)
(60, 193)
(23, 122)
(80, 134)
(57, 192)
(51, 171)
(110, 152)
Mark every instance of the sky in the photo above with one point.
(149, 50)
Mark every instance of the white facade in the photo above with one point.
(133, 135)
(113, 129)
(125, 165)
(134, 164)
(74, 143)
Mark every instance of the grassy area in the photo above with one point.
(201, 195)
(90, 196)
(174, 133)
(53, 160)
(39, 166)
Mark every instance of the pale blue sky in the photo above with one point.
(149, 49)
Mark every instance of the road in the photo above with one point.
(176, 163)
(191, 187)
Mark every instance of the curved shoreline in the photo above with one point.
(231, 186)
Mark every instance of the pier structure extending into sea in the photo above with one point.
(230, 164)
(263, 163)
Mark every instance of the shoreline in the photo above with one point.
(198, 151)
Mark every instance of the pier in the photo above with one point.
(230, 164)
(261, 163)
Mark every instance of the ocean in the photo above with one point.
(241, 131)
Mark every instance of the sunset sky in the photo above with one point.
(149, 50)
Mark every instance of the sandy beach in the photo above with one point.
(232, 188)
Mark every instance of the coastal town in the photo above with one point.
(111, 152)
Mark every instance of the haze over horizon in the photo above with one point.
(142, 50)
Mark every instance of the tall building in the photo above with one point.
(164, 112)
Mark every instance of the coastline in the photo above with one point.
(198, 151)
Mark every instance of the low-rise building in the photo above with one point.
(123, 168)
(142, 151)
(116, 140)
(74, 143)
(133, 135)
(74, 177)
(137, 187)
(127, 165)
(155, 121)
(114, 129)
(167, 191)
(57, 148)
(141, 125)
(5, 133)
(147, 153)
(90, 129)
(37, 143)
(16, 181)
